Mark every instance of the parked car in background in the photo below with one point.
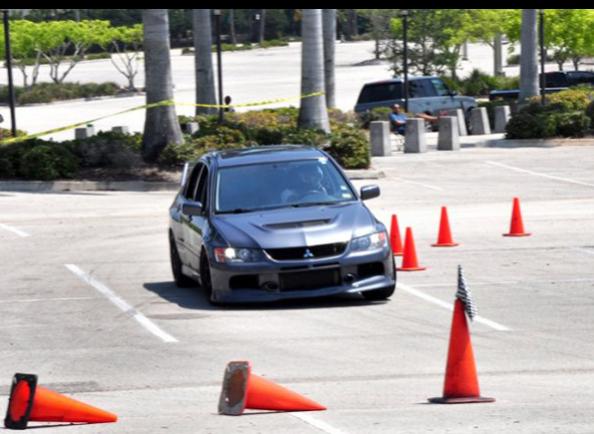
(555, 81)
(427, 94)
(277, 222)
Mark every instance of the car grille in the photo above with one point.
(321, 251)
(306, 280)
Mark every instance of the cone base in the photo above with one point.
(398, 254)
(411, 269)
(522, 234)
(461, 400)
(445, 245)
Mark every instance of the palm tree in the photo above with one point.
(329, 30)
(528, 62)
(232, 26)
(161, 126)
(312, 113)
(205, 88)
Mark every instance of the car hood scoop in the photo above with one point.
(296, 227)
(298, 224)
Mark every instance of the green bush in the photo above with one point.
(350, 148)
(577, 98)
(296, 136)
(47, 162)
(573, 124)
(590, 113)
(526, 125)
(7, 134)
(48, 92)
(375, 114)
(108, 149)
(480, 84)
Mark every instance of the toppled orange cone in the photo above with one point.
(395, 240)
(242, 389)
(30, 402)
(444, 238)
(516, 227)
(461, 381)
(409, 259)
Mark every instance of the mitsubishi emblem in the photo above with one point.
(308, 254)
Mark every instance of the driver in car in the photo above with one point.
(307, 185)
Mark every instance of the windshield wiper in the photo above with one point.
(237, 211)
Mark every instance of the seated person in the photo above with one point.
(398, 119)
(306, 185)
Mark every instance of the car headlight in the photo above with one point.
(232, 255)
(377, 240)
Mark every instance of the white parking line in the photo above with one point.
(432, 187)
(121, 303)
(449, 306)
(544, 175)
(14, 230)
(322, 426)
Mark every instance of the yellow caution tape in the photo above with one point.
(153, 105)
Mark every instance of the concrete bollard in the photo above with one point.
(191, 127)
(379, 133)
(448, 138)
(502, 114)
(120, 130)
(83, 133)
(461, 120)
(414, 137)
(479, 121)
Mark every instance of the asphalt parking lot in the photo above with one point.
(80, 271)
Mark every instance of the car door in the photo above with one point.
(423, 96)
(180, 232)
(444, 99)
(195, 226)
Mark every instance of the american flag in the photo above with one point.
(464, 295)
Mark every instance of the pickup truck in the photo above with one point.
(427, 94)
(554, 82)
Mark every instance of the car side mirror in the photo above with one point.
(191, 207)
(369, 192)
(453, 93)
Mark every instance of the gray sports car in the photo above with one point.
(277, 222)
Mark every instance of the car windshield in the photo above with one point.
(279, 185)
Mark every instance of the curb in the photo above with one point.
(533, 143)
(60, 186)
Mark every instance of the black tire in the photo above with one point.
(379, 294)
(181, 280)
(205, 281)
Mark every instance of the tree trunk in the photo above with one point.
(576, 62)
(232, 26)
(354, 29)
(329, 31)
(161, 126)
(528, 57)
(312, 112)
(205, 86)
(262, 28)
(497, 55)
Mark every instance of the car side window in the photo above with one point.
(440, 87)
(192, 181)
(201, 187)
(420, 89)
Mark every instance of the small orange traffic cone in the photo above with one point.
(444, 238)
(242, 389)
(516, 227)
(30, 402)
(395, 241)
(461, 382)
(409, 259)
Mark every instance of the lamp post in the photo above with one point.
(543, 56)
(8, 54)
(404, 15)
(217, 14)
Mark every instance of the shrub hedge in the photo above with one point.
(48, 92)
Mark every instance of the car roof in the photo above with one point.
(264, 154)
(400, 80)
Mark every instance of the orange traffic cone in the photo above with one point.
(242, 389)
(444, 238)
(395, 241)
(461, 382)
(30, 402)
(409, 260)
(516, 227)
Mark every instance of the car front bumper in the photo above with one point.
(281, 280)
